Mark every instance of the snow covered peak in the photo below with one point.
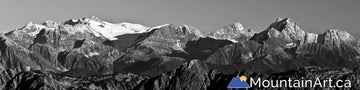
(238, 26)
(110, 30)
(93, 25)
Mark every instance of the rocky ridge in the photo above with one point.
(89, 53)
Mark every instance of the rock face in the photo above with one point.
(89, 53)
(234, 32)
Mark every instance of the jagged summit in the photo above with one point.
(238, 26)
(234, 32)
(190, 30)
(336, 37)
(286, 24)
(337, 33)
(287, 31)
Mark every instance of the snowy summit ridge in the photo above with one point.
(110, 30)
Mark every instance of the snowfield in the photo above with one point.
(110, 30)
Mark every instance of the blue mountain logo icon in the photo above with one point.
(238, 82)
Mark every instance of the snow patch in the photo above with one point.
(177, 46)
(62, 69)
(230, 39)
(92, 54)
(27, 68)
(290, 45)
(233, 40)
(192, 62)
(75, 20)
(131, 61)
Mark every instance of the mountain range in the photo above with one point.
(89, 53)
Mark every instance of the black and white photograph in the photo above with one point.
(179, 45)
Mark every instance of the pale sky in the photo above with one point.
(207, 15)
